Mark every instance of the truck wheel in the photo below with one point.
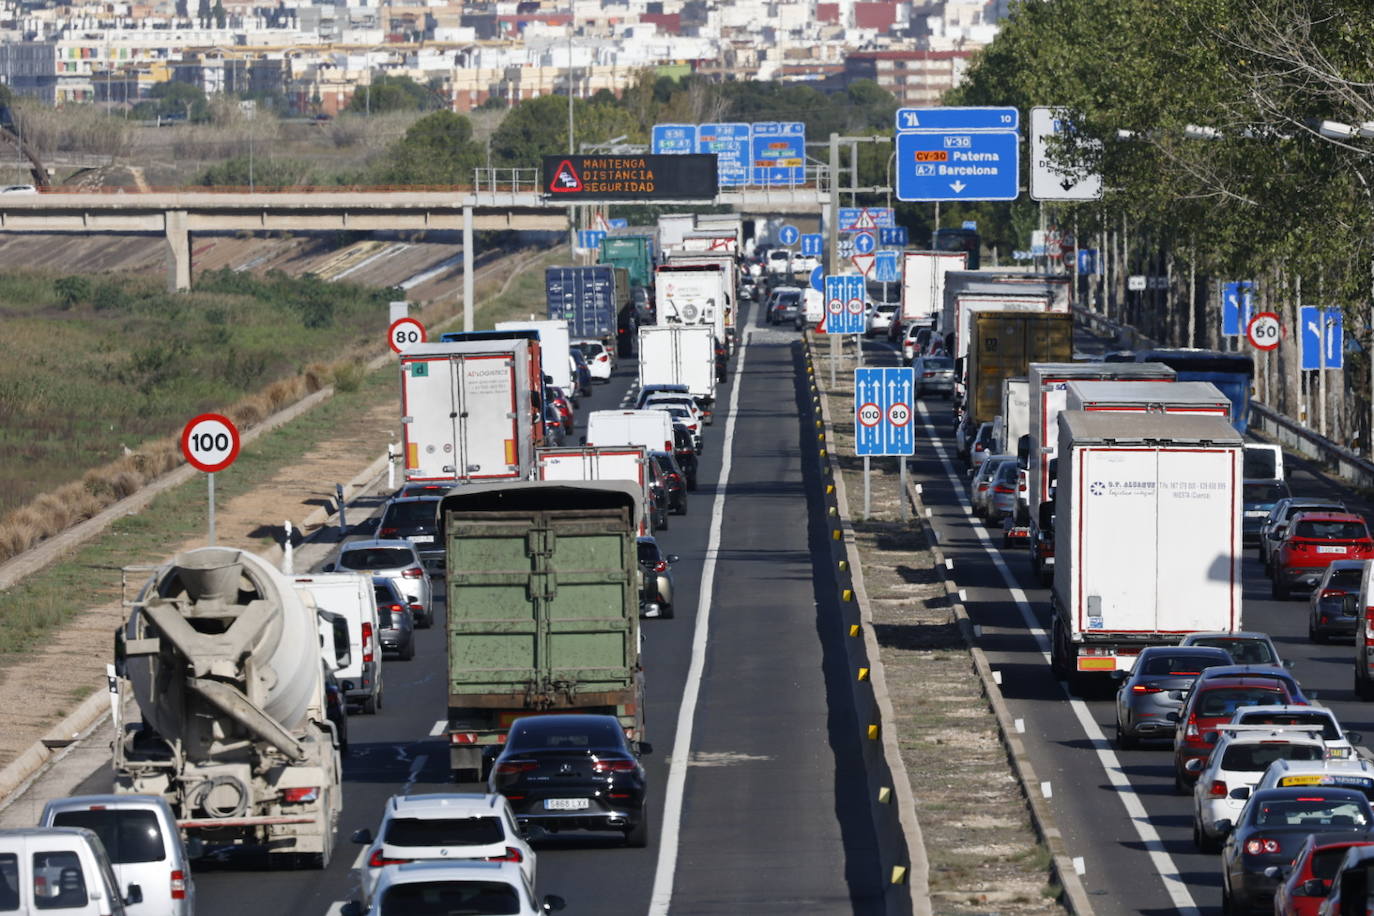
(637, 837)
(371, 704)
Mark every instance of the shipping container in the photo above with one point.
(1005, 343)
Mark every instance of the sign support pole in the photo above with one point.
(1321, 370)
(901, 487)
(832, 230)
(868, 490)
(210, 478)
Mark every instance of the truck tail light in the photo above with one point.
(1262, 846)
(178, 884)
(414, 572)
(367, 642)
(1369, 623)
(300, 794)
(512, 855)
(1218, 789)
(377, 860)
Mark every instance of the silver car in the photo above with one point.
(1001, 498)
(934, 374)
(656, 575)
(395, 559)
(980, 490)
(1155, 687)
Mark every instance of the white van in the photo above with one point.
(350, 596)
(142, 843)
(652, 429)
(46, 869)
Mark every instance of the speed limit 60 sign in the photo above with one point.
(210, 442)
(1264, 331)
(404, 333)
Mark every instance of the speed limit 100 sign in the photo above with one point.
(404, 333)
(210, 442)
(1264, 331)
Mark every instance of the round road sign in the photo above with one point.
(818, 279)
(865, 243)
(869, 415)
(1264, 331)
(899, 414)
(210, 442)
(788, 235)
(404, 333)
(855, 306)
(835, 306)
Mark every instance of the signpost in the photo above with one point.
(789, 235)
(818, 280)
(957, 154)
(779, 153)
(1087, 261)
(1264, 331)
(1049, 181)
(673, 139)
(210, 443)
(883, 420)
(864, 262)
(1237, 306)
(896, 236)
(1323, 338)
(729, 143)
(860, 219)
(403, 333)
(812, 245)
(590, 239)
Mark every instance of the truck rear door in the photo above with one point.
(1198, 493)
(1116, 535)
(463, 417)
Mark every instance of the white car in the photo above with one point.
(395, 559)
(662, 401)
(600, 358)
(1227, 778)
(1339, 742)
(443, 827)
(881, 316)
(470, 888)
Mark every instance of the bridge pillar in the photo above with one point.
(178, 250)
(469, 306)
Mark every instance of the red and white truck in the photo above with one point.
(1147, 535)
(624, 463)
(1198, 398)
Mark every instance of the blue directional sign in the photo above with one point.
(1237, 307)
(958, 119)
(1087, 261)
(963, 166)
(590, 238)
(779, 153)
(896, 236)
(789, 235)
(812, 245)
(882, 411)
(730, 143)
(865, 243)
(669, 139)
(887, 266)
(817, 277)
(971, 225)
(844, 304)
(863, 219)
(618, 223)
(1322, 330)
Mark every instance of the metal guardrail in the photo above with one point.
(1339, 461)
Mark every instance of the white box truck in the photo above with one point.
(727, 264)
(1047, 388)
(467, 410)
(554, 344)
(923, 283)
(625, 463)
(671, 228)
(1147, 535)
(1199, 398)
(652, 429)
(351, 597)
(692, 294)
(679, 355)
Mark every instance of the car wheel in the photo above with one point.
(665, 610)
(1203, 842)
(1362, 690)
(1314, 634)
(370, 705)
(1180, 787)
(1124, 741)
(637, 836)
(663, 522)
(681, 506)
(1227, 908)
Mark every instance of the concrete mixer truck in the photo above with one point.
(221, 707)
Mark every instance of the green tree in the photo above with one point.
(179, 99)
(393, 93)
(438, 149)
(539, 127)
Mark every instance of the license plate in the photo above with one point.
(565, 804)
(1256, 513)
(422, 539)
(1330, 550)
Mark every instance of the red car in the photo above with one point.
(1308, 881)
(564, 407)
(1212, 703)
(1311, 542)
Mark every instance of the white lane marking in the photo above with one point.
(415, 769)
(665, 871)
(336, 908)
(358, 861)
(1169, 873)
(438, 728)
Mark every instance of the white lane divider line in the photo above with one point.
(1169, 873)
(665, 870)
(358, 860)
(336, 908)
(415, 769)
(438, 728)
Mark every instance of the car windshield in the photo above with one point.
(450, 898)
(789, 298)
(1330, 531)
(1243, 651)
(937, 362)
(1224, 701)
(1007, 472)
(1179, 665)
(376, 558)
(1305, 719)
(648, 553)
(1310, 812)
(129, 836)
(409, 514)
(557, 736)
(1262, 495)
(1255, 758)
(445, 831)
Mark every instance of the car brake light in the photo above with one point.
(661, 566)
(1003, 489)
(300, 794)
(1146, 688)
(388, 532)
(1332, 592)
(415, 572)
(416, 608)
(1191, 730)
(512, 855)
(603, 358)
(1261, 845)
(178, 884)
(367, 642)
(1369, 623)
(614, 766)
(511, 767)
(927, 375)
(377, 860)
(675, 478)
(1218, 789)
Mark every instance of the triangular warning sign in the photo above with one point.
(865, 220)
(565, 179)
(864, 262)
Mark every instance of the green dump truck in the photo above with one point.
(635, 253)
(543, 609)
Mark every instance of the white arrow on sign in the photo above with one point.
(958, 186)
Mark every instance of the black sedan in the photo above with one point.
(1272, 827)
(674, 481)
(573, 772)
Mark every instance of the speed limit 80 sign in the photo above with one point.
(1264, 331)
(404, 333)
(210, 442)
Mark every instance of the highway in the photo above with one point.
(1116, 810)
(772, 818)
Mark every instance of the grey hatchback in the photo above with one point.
(396, 626)
(1155, 687)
